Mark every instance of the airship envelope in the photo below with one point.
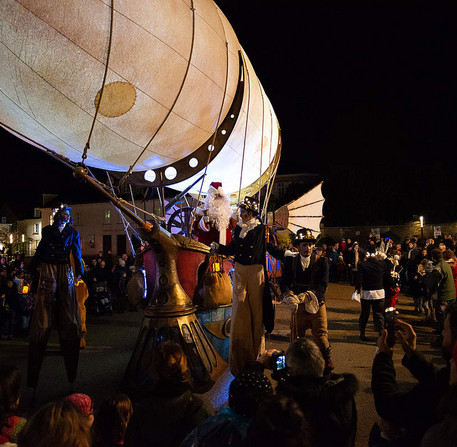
(153, 86)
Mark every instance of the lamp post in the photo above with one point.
(421, 220)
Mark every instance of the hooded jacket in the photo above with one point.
(165, 416)
(328, 404)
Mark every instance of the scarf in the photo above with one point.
(248, 226)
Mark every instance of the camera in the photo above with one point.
(390, 320)
(278, 361)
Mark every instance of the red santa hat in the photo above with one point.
(215, 188)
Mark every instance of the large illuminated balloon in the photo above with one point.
(150, 84)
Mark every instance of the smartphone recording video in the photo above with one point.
(278, 361)
(390, 320)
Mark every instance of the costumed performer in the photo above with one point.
(251, 307)
(214, 222)
(304, 283)
(56, 303)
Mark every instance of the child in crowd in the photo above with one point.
(10, 392)
(168, 410)
(56, 424)
(112, 421)
(84, 404)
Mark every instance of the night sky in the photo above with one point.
(365, 97)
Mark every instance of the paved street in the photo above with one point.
(112, 338)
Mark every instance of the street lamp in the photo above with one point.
(421, 220)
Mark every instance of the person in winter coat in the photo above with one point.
(119, 285)
(445, 292)
(417, 409)
(327, 401)
(168, 410)
(444, 433)
(247, 392)
(372, 277)
(279, 422)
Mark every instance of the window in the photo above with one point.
(36, 212)
(108, 217)
(36, 228)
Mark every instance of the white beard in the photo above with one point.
(219, 211)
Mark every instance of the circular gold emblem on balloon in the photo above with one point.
(118, 98)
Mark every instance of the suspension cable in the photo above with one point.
(245, 130)
(213, 143)
(261, 144)
(87, 146)
(272, 177)
(124, 177)
(124, 220)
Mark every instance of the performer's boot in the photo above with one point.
(329, 366)
(70, 351)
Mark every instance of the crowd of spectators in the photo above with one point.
(424, 269)
(299, 405)
(345, 255)
(15, 299)
(112, 274)
(16, 282)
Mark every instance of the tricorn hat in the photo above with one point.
(304, 235)
(250, 204)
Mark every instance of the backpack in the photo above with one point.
(432, 281)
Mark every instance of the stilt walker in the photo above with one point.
(56, 304)
(249, 244)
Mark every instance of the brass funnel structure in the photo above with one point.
(170, 314)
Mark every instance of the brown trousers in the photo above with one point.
(82, 293)
(247, 338)
(302, 320)
(56, 306)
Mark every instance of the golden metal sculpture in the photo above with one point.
(170, 313)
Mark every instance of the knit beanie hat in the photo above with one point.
(82, 401)
(247, 390)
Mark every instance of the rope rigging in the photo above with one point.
(245, 131)
(87, 146)
(125, 176)
(214, 139)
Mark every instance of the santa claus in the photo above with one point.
(215, 222)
